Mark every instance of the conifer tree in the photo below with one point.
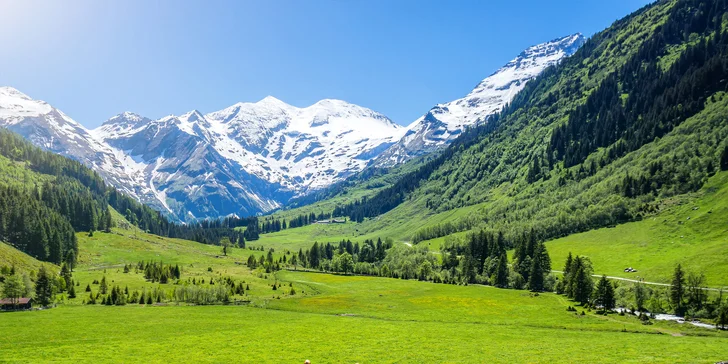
(501, 272)
(535, 281)
(103, 287)
(72, 291)
(604, 294)
(677, 290)
(44, 287)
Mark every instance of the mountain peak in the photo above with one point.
(332, 103)
(192, 116)
(13, 92)
(272, 101)
(126, 117)
(444, 122)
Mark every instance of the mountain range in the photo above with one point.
(253, 157)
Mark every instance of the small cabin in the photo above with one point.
(23, 303)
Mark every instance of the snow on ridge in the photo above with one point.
(444, 122)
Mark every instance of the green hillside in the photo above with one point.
(690, 229)
(11, 257)
(609, 136)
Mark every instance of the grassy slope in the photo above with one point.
(22, 262)
(696, 238)
(106, 254)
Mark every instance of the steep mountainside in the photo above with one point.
(45, 198)
(635, 116)
(445, 122)
(249, 157)
(51, 129)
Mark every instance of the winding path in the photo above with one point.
(639, 281)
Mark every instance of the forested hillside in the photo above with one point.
(635, 116)
(45, 198)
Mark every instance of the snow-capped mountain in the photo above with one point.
(249, 157)
(444, 122)
(53, 130)
(254, 157)
(245, 159)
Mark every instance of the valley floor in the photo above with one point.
(355, 319)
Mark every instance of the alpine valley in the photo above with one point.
(252, 158)
(571, 208)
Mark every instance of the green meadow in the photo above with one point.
(690, 230)
(355, 319)
(330, 318)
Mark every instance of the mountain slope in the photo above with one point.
(53, 130)
(242, 160)
(45, 198)
(561, 158)
(249, 157)
(445, 122)
(620, 134)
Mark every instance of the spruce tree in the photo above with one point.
(44, 287)
(583, 285)
(604, 294)
(535, 276)
(724, 159)
(501, 272)
(677, 290)
(103, 287)
(72, 291)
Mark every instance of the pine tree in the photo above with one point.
(583, 285)
(44, 287)
(604, 294)
(501, 272)
(535, 281)
(677, 290)
(72, 291)
(103, 287)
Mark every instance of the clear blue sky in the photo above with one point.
(94, 59)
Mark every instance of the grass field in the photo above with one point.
(690, 230)
(355, 319)
(332, 318)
